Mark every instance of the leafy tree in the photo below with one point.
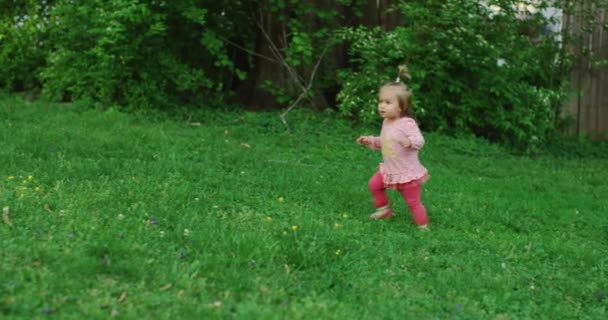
(140, 54)
(24, 43)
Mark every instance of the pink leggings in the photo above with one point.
(409, 191)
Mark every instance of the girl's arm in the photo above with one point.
(376, 143)
(371, 142)
(411, 135)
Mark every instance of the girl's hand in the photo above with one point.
(364, 140)
(406, 143)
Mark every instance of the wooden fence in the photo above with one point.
(588, 106)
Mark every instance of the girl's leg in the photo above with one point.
(411, 194)
(376, 187)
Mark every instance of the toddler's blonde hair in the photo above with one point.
(402, 91)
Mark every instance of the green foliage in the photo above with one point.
(113, 215)
(307, 37)
(119, 52)
(24, 43)
(473, 72)
(372, 66)
(98, 49)
(125, 52)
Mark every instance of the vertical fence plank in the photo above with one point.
(603, 81)
(588, 104)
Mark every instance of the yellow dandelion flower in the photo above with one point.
(345, 215)
(281, 199)
(294, 227)
(37, 189)
(30, 177)
(338, 252)
(24, 182)
(11, 178)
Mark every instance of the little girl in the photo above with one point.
(400, 139)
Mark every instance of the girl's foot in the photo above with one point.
(424, 227)
(381, 213)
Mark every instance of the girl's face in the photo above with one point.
(388, 104)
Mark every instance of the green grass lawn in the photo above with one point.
(114, 215)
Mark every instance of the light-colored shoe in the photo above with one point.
(381, 213)
(424, 227)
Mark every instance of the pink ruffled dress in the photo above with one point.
(400, 165)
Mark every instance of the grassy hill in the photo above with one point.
(227, 216)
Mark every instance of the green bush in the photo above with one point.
(23, 43)
(473, 72)
(127, 52)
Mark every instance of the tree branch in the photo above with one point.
(304, 92)
(248, 51)
(296, 77)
